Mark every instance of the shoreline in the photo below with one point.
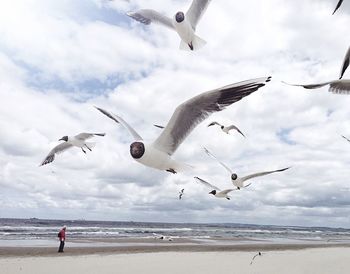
(36, 251)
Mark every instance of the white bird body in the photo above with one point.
(71, 141)
(216, 192)
(158, 159)
(239, 181)
(185, 118)
(183, 23)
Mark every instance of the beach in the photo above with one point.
(179, 259)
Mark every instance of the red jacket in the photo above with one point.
(62, 234)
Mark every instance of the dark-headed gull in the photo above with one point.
(184, 119)
(340, 86)
(226, 129)
(239, 181)
(217, 192)
(184, 24)
(338, 5)
(256, 255)
(70, 141)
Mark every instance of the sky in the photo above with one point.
(60, 58)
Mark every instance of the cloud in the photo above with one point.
(62, 58)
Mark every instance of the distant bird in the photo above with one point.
(338, 5)
(217, 192)
(77, 141)
(184, 24)
(162, 237)
(340, 86)
(256, 255)
(181, 193)
(184, 119)
(347, 139)
(239, 182)
(226, 129)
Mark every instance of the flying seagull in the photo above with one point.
(239, 181)
(347, 139)
(340, 86)
(162, 237)
(183, 23)
(226, 129)
(184, 119)
(256, 255)
(70, 141)
(181, 193)
(217, 192)
(338, 5)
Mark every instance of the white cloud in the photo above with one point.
(50, 56)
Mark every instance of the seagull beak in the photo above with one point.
(61, 139)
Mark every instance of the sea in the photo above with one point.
(33, 231)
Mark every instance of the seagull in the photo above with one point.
(70, 141)
(183, 23)
(226, 129)
(256, 255)
(347, 139)
(162, 237)
(340, 86)
(337, 7)
(217, 192)
(239, 182)
(181, 193)
(185, 118)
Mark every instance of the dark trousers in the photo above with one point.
(60, 249)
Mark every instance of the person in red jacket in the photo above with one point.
(62, 238)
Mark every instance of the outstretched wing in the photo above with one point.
(214, 123)
(312, 86)
(221, 163)
(147, 16)
(84, 136)
(235, 128)
(56, 150)
(199, 180)
(118, 120)
(190, 113)
(196, 11)
(345, 64)
(347, 139)
(338, 5)
(245, 178)
(340, 86)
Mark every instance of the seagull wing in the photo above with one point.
(221, 163)
(254, 258)
(56, 150)
(146, 16)
(158, 126)
(338, 5)
(345, 64)
(340, 86)
(214, 123)
(118, 120)
(245, 178)
(199, 180)
(235, 128)
(190, 113)
(84, 136)
(312, 86)
(347, 139)
(196, 11)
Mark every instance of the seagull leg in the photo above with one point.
(83, 150)
(171, 170)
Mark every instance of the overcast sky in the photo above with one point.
(60, 58)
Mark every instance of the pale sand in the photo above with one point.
(330, 260)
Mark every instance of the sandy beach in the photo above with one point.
(178, 258)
